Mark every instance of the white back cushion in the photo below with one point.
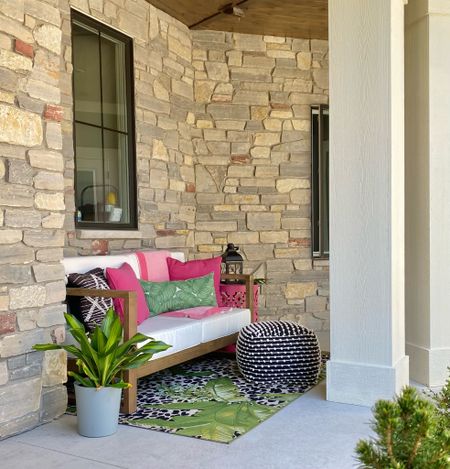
(82, 264)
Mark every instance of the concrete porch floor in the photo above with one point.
(310, 433)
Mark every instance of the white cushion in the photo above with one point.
(181, 333)
(82, 264)
(223, 324)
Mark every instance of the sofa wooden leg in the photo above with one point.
(129, 401)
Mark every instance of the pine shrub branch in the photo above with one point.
(410, 433)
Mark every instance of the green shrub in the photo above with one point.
(442, 400)
(411, 433)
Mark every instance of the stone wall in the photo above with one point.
(223, 138)
(164, 79)
(37, 179)
(31, 215)
(252, 145)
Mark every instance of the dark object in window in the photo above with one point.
(320, 143)
(105, 174)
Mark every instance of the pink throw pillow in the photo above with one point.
(198, 268)
(153, 265)
(124, 278)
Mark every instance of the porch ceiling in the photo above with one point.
(288, 18)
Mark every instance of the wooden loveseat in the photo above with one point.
(193, 337)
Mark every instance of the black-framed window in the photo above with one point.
(320, 140)
(105, 174)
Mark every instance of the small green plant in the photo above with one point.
(412, 433)
(442, 400)
(101, 357)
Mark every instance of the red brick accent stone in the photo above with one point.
(7, 323)
(166, 232)
(100, 247)
(190, 187)
(53, 113)
(280, 106)
(23, 48)
(221, 98)
(240, 159)
(302, 242)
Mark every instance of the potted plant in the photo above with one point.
(101, 360)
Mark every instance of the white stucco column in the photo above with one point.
(368, 359)
(427, 62)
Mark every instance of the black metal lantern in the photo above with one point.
(232, 261)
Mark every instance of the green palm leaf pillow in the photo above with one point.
(172, 296)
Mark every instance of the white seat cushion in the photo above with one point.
(223, 324)
(183, 333)
(180, 333)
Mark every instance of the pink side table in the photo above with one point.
(233, 295)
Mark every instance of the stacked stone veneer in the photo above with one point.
(164, 93)
(253, 162)
(31, 215)
(223, 155)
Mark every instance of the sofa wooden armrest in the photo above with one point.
(248, 280)
(129, 306)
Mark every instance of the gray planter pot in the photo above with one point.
(97, 411)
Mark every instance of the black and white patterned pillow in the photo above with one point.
(90, 310)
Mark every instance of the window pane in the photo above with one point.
(113, 83)
(89, 182)
(315, 183)
(86, 74)
(325, 184)
(116, 177)
(104, 158)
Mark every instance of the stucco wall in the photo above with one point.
(427, 197)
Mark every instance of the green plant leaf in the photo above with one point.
(98, 340)
(81, 379)
(73, 322)
(136, 339)
(411, 433)
(44, 347)
(108, 321)
(154, 347)
(115, 335)
(89, 354)
(101, 359)
(121, 385)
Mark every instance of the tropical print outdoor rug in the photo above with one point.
(208, 399)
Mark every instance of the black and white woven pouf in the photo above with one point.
(278, 352)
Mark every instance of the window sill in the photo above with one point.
(321, 262)
(109, 234)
